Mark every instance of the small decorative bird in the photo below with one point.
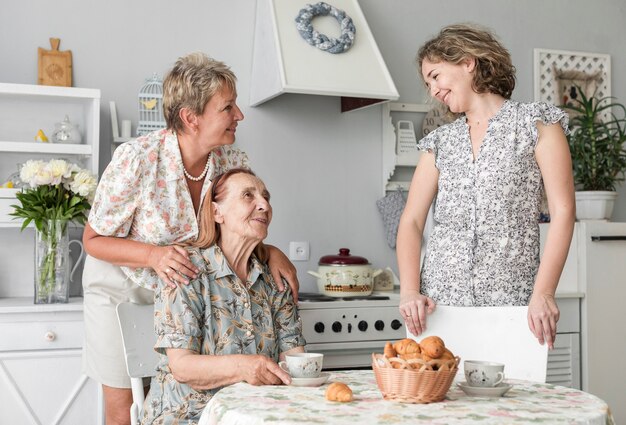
(149, 104)
(41, 136)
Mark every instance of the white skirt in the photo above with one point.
(104, 286)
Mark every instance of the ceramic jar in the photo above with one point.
(345, 275)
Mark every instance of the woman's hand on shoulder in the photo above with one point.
(281, 268)
(543, 314)
(258, 369)
(172, 264)
(414, 307)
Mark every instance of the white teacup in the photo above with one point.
(303, 365)
(483, 374)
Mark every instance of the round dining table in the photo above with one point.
(525, 403)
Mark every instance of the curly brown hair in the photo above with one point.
(494, 71)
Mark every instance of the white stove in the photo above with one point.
(348, 330)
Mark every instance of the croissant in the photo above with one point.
(447, 355)
(411, 356)
(389, 351)
(338, 391)
(433, 346)
(407, 346)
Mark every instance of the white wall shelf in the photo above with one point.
(46, 148)
(38, 91)
(390, 159)
(25, 109)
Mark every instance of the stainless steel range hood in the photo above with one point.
(284, 62)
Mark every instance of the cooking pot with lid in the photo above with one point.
(345, 275)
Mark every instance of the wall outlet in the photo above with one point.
(299, 251)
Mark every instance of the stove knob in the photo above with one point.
(362, 325)
(379, 325)
(319, 327)
(337, 327)
(396, 324)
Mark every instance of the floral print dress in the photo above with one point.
(216, 314)
(143, 195)
(484, 247)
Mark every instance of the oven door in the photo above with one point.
(347, 355)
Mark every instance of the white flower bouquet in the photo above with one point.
(58, 192)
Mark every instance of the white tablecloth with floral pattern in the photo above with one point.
(525, 403)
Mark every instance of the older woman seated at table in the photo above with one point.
(231, 323)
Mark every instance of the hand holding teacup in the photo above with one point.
(303, 365)
(483, 374)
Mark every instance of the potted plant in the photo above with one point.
(596, 142)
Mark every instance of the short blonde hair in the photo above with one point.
(209, 230)
(494, 71)
(191, 83)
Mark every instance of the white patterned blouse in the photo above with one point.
(143, 196)
(484, 247)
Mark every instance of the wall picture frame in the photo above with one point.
(557, 71)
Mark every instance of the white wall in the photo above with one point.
(322, 167)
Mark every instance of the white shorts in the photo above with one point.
(104, 286)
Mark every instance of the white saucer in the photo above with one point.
(310, 382)
(497, 391)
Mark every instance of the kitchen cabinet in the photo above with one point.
(564, 362)
(601, 276)
(596, 269)
(41, 345)
(40, 365)
(564, 365)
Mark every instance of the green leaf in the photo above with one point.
(597, 146)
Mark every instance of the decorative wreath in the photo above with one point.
(322, 41)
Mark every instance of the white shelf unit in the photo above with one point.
(41, 347)
(25, 109)
(391, 161)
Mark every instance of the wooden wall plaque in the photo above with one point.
(55, 67)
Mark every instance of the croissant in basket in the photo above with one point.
(389, 351)
(407, 346)
(429, 354)
(338, 391)
(433, 347)
(413, 381)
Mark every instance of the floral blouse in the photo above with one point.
(484, 248)
(216, 314)
(143, 196)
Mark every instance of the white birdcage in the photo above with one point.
(151, 106)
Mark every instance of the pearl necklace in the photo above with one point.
(201, 176)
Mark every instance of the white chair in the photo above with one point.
(498, 334)
(137, 327)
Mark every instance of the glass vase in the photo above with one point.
(52, 283)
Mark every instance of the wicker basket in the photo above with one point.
(409, 383)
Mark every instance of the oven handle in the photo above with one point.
(608, 238)
(334, 346)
